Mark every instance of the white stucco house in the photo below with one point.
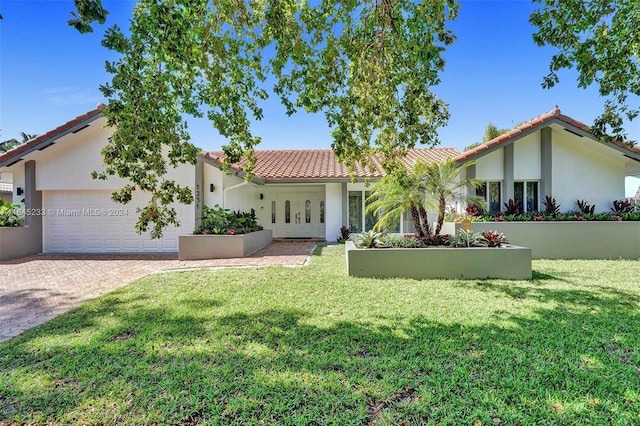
(296, 193)
(52, 174)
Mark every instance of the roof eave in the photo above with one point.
(565, 122)
(20, 154)
(203, 156)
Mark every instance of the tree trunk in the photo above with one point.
(420, 221)
(442, 207)
(424, 220)
(415, 218)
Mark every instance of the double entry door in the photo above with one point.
(300, 215)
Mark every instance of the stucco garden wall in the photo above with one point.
(20, 241)
(567, 240)
(454, 263)
(197, 247)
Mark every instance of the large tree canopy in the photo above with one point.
(601, 39)
(367, 65)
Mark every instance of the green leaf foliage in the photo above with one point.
(368, 66)
(9, 215)
(600, 38)
(428, 186)
(88, 12)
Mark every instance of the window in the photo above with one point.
(359, 219)
(369, 218)
(355, 211)
(273, 212)
(307, 211)
(407, 223)
(526, 194)
(321, 211)
(287, 211)
(490, 192)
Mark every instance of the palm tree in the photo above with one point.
(444, 184)
(396, 193)
(13, 142)
(426, 186)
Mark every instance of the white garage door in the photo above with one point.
(89, 222)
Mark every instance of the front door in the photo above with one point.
(301, 215)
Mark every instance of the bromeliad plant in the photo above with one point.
(493, 238)
(466, 238)
(220, 221)
(369, 239)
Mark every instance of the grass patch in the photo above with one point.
(313, 346)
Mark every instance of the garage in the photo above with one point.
(84, 221)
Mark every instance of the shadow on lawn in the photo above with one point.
(191, 361)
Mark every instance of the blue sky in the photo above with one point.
(49, 73)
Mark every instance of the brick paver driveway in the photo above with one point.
(35, 289)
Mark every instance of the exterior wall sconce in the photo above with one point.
(261, 196)
(19, 191)
(212, 188)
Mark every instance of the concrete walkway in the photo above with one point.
(35, 289)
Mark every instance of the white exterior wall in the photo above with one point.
(491, 166)
(583, 172)
(67, 164)
(527, 158)
(212, 175)
(333, 210)
(17, 172)
(239, 194)
(235, 193)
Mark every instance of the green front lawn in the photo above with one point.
(312, 346)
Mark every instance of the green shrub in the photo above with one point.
(220, 221)
(9, 215)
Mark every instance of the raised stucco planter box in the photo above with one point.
(509, 262)
(199, 247)
(568, 240)
(20, 241)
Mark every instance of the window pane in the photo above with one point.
(273, 212)
(307, 211)
(407, 223)
(494, 197)
(369, 219)
(321, 211)
(532, 196)
(355, 211)
(287, 211)
(518, 193)
(481, 191)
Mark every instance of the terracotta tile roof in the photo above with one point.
(538, 122)
(14, 153)
(321, 163)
